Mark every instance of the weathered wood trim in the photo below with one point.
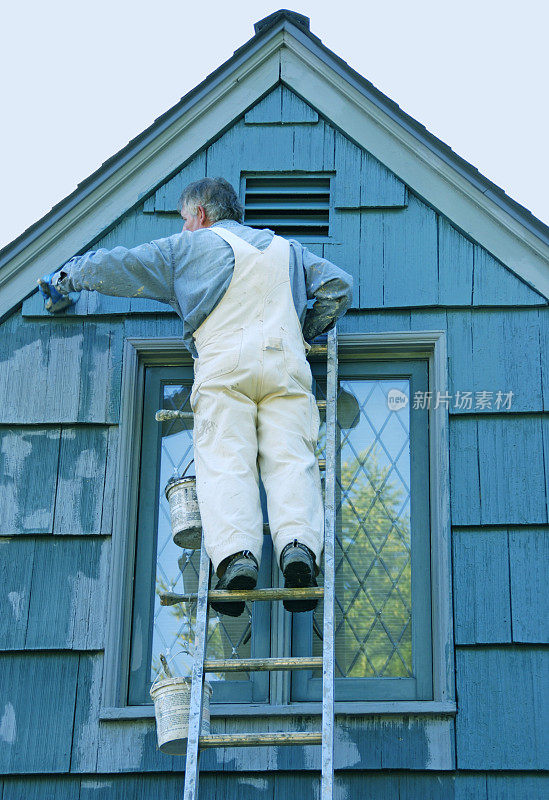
(398, 708)
(441, 538)
(139, 352)
(436, 181)
(123, 530)
(432, 345)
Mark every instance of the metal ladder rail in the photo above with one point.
(326, 736)
(195, 705)
(328, 655)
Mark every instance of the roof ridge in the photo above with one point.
(283, 13)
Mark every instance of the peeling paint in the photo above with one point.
(16, 601)
(15, 449)
(123, 747)
(80, 480)
(8, 725)
(21, 509)
(84, 589)
(88, 463)
(255, 783)
(97, 390)
(35, 519)
(86, 743)
(439, 741)
(96, 784)
(344, 738)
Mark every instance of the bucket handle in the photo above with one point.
(187, 467)
(165, 668)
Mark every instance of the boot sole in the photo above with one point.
(297, 575)
(234, 609)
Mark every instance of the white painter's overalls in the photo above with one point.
(252, 403)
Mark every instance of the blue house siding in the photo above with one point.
(500, 724)
(496, 464)
(60, 381)
(250, 786)
(56, 592)
(75, 495)
(38, 691)
(528, 559)
(508, 602)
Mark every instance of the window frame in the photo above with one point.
(143, 352)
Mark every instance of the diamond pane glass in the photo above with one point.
(177, 569)
(373, 545)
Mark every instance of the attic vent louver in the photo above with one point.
(291, 205)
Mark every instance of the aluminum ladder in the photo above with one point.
(325, 737)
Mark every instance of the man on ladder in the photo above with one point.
(242, 295)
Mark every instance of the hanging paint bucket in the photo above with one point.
(184, 512)
(171, 696)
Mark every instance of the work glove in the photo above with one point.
(54, 300)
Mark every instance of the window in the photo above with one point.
(383, 581)
(406, 491)
(383, 615)
(163, 566)
(296, 206)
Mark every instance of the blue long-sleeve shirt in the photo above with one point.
(191, 272)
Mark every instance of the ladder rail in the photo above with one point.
(328, 656)
(326, 736)
(197, 683)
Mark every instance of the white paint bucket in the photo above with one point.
(184, 512)
(171, 697)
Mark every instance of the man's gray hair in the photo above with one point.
(216, 195)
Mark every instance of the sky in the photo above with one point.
(80, 80)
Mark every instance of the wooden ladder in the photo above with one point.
(325, 736)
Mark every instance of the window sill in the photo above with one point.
(415, 707)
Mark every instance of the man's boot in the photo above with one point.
(298, 566)
(241, 572)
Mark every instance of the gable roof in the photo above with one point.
(282, 49)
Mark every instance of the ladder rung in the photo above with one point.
(170, 598)
(266, 594)
(262, 664)
(259, 739)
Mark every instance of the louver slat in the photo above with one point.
(282, 204)
(291, 205)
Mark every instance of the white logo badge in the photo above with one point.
(396, 400)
